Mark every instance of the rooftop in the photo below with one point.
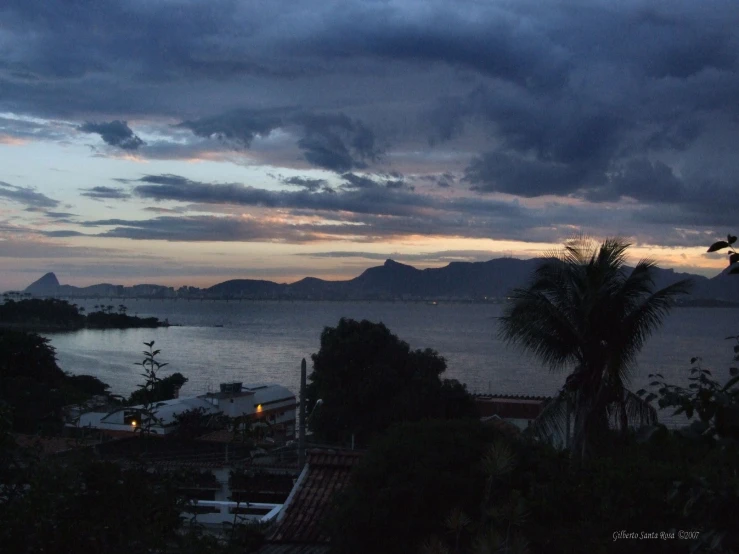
(262, 393)
(327, 473)
(510, 407)
(47, 446)
(167, 411)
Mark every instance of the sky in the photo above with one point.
(189, 142)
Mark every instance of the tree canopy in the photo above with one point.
(407, 482)
(367, 379)
(34, 387)
(584, 310)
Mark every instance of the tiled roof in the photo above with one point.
(116, 434)
(222, 435)
(510, 407)
(327, 473)
(285, 548)
(513, 397)
(49, 445)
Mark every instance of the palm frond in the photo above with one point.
(639, 411)
(499, 460)
(434, 545)
(490, 542)
(534, 322)
(552, 421)
(644, 319)
(457, 520)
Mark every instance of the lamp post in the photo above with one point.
(301, 422)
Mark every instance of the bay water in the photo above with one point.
(264, 342)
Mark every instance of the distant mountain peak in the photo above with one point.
(47, 283)
(394, 264)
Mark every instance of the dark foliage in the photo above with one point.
(89, 507)
(54, 314)
(406, 484)
(103, 320)
(163, 389)
(196, 422)
(368, 379)
(49, 312)
(733, 255)
(416, 476)
(87, 384)
(34, 387)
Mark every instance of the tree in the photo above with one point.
(407, 483)
(583, 309)
(368, 379)
(86, 506)
(30, 382)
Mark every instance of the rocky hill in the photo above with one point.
(493, 279)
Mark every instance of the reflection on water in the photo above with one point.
(262, 341)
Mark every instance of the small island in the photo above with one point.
(52, 314)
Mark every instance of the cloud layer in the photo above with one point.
(380, 120)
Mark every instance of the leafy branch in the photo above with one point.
(151, 367)
(733, 254)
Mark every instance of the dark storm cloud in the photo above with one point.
(106, 193)
(166, 179)
(443, 180)
(330, 141)
(594, 100)
(203, 229)
(357, 182)
(498, 172)
(308, 184)
(240, 126)
(360, 195)
(354, 182)
(368, 213)
(116, 133)
(59, 215)
(26, 196)
(62, 234)
(490, 40)
(643, 180)
(158, 210)
(336, 142)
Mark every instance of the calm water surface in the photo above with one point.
(264, 341)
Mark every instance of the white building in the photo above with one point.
(272, 403)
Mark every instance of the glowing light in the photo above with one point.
(259, 408)
(133, 423)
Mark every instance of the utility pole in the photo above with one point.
(301, 421)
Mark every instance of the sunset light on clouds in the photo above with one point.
(189, 142)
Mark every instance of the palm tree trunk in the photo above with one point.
(568, 423)
(624, 415)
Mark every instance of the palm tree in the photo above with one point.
(583, 310)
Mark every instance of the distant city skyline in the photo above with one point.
(190, 142)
